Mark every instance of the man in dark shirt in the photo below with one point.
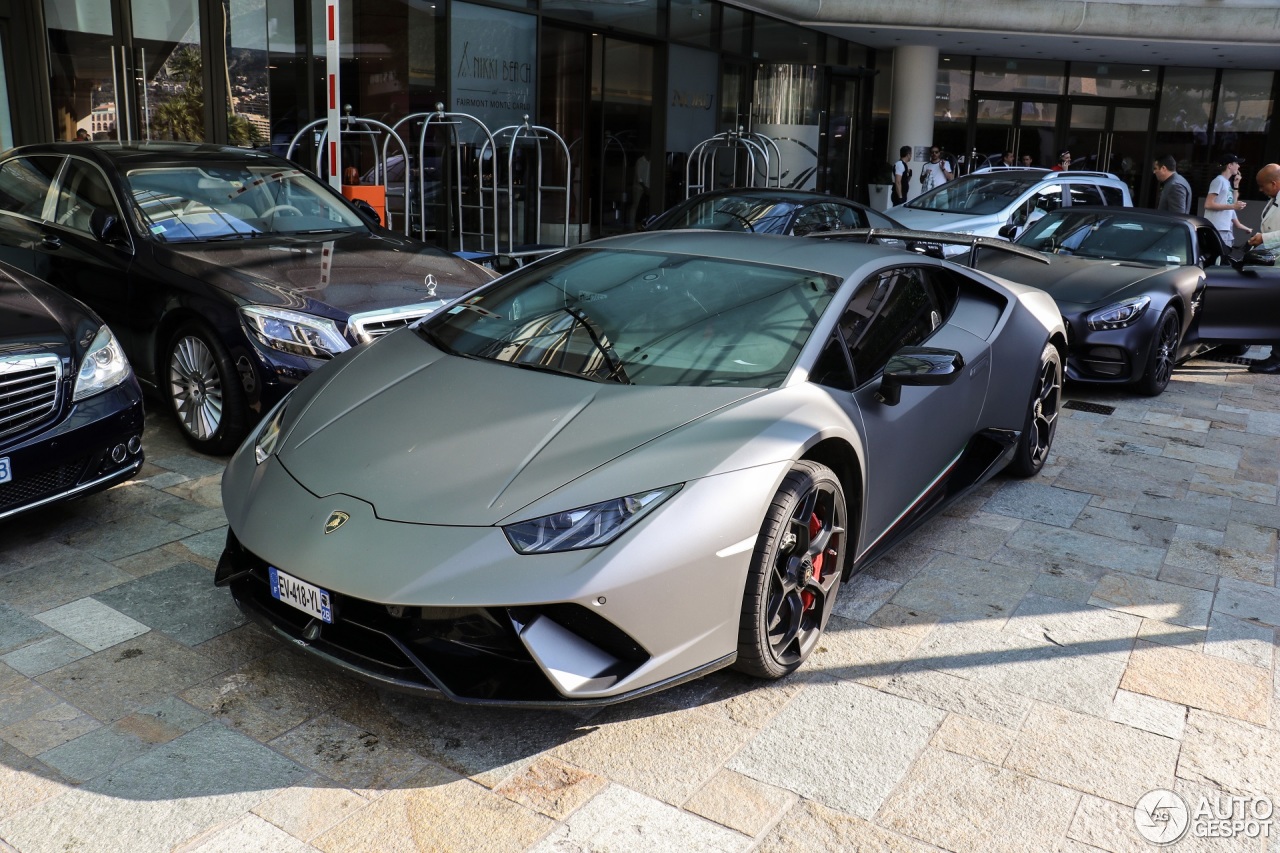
(1175, 192)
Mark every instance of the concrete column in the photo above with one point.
(914, 86)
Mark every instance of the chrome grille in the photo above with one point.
(370, 325)
(28, 390)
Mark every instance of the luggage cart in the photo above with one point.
(748, 151)
(363, 129)
(524, 187)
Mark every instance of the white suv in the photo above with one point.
(1002, 201)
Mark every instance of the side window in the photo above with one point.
(1085, 194)
(822, 216)
(1211, 247)
(24, 184)
(832, 367)
(1113, 195)
(878, 220)
(1049, 198)
(890, 311)
(82, 191)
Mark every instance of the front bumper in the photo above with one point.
(95, 446)
(455, 612)
(1109, 356)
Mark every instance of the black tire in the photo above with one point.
(1042, 416)
(1163, 354)
(203, 390)
(795, 573)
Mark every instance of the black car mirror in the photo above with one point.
(918, 366)
(1008, 231)
(106, 226)
(366, 211)
(1259, 257)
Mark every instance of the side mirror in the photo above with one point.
(1008, 231)
(366, 211)
(505, 263)
(1259, 257)
(106, 226)
(918, 366)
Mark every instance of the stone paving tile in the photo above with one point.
(863, 595)
(740, 802)
(969, 697)
(860, 652)
(1250, 602)
(1034, 501)
(905, 561)
(437, 810)
(958, 587)
(130, 737)
(48, 728)
(1251, 512)
(749, 701)
(352, 757)
(1125, 527)
(1239, 641)
(148, 562)
(22, 699)
(1164, 634)
(248, 833)
(1105, 825)
(1235, 756)
(975, 738)
(1070, 677)
(918, 623)
(1148, 713)
(962, 804)
(1095, 631)
(45, 586)
(1188, 577)
(1199, 681)
(24, 783)
(180, 601)
(1089, 548)
(854, 766)
(204, 778)
(92, 624)
(1213, 511)
(960, 536)
(814, 828)
(1234, 487)
(130, 535)
(1206, 799)
(43, 655)
(309, 807)
(1152, 599)
(1091, 755)
(556, 789)
(120, 680)
(622, 821)
(18, 630)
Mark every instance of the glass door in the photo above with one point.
(1025, 127)
(128, 77)
(840, 138)
(1111, 138)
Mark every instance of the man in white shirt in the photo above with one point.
(1221, 204)
(936, 172)
(1268, 236)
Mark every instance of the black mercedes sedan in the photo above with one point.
(227, 275)
(70, 407)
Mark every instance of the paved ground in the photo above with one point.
(1015, 677)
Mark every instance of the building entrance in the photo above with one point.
(1022, 125)
(1108, 137)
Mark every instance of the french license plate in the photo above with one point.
(6, 471)
(308, 598)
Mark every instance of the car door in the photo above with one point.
(26, 185)
(1237, 305)
(77, 262)
(911, 445)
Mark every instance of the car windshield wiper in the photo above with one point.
(616, 370)
(234, 235)
(436, 341)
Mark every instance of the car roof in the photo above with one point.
(1132, 213)
(833, 257)
(130, 154)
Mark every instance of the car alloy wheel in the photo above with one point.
(1164, 352)
(1042, 416)
(204, 391)
(795, 573)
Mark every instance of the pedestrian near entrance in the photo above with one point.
(1221, 204)
(1175, 192)
(1064, 162)
(936, 172)
(1027, 161)
(901, 175)
(1007, 159)
(1268, 237)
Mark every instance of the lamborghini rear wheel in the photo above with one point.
(795, 573)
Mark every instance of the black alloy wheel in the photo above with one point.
(1042, 416)
(204, 390)
(1164, 352)
(795, 573)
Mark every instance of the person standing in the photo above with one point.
(1027, 162)
(1268, 236)
(1235, 189)
(1221, 204)
(901, 175)
(936, 172)
(1007, 159)
(1064, 162)
(1175, 192)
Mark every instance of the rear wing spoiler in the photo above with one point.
(931, 242)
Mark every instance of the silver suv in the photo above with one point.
(1002, 201)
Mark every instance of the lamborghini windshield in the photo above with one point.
(1122, 236)
(644, 318)
(192, 203)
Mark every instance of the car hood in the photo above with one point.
(357, 272)
(36, 318)
(955, 223)
(435, 439)
(1072, 281)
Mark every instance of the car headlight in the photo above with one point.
(587, 527)
(104, 366)
(295, 332)
(1119, 315)
(269, 433)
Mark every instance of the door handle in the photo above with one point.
(51, 242)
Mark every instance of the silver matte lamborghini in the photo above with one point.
(632, 463)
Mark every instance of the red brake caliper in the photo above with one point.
(815, 527)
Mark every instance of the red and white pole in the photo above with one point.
(332, 59)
